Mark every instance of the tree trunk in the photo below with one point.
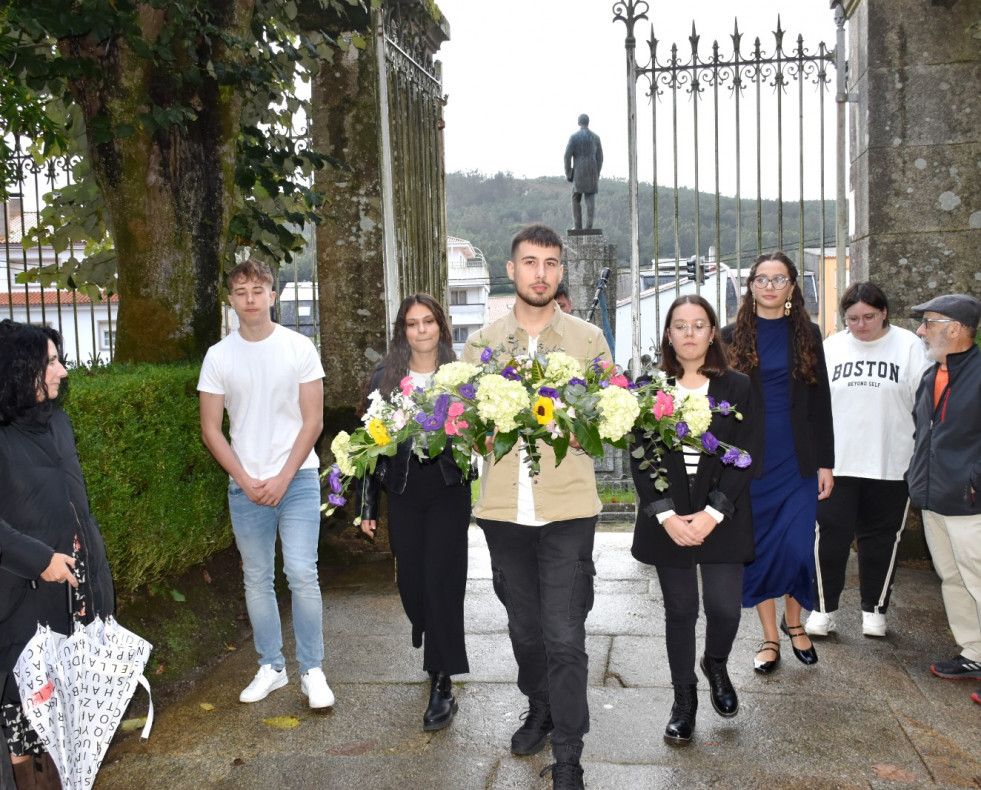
(169, 190)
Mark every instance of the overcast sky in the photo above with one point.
(519, 72)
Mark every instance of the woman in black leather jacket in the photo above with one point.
(428, 511)
(51, 551)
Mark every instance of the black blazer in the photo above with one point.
(810, 409)
(724, 487)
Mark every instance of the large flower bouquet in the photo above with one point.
(669, 420)
(510, 398)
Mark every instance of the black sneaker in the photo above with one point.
(565, 776)
(960, 668)
(530, 737)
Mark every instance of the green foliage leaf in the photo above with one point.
(589, 438)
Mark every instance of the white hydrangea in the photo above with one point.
(451, 375)
(618, 412)
(500, 400)
(340, 448)
(696, 413)
(561, 367)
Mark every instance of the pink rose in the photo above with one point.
(456, 409)
(406, 385)
(620, 380)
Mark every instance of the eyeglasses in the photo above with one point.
(698, 328)
(927, 321)
(868, 318)
(779, 282)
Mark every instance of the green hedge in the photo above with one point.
(159, 496)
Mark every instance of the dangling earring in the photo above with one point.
(786, 306)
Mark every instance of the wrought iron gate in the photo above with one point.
(87, 321)
(696, 96)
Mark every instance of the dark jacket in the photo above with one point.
(810, 410)
(946, 462)
(392, 472)
(43, 508)
(726, 488)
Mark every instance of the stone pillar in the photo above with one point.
(915, 148)
(916, 156)
(377, 112)
(586, 255)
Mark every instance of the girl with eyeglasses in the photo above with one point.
(874, 370)
(702, 520)
(776, 344)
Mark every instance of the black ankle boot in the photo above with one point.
(442, 705)
(682, 723)
(724, 698)
(530, 737)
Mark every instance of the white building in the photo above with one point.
(468, 283)
(88, 328)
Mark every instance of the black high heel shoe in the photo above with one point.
(808, 656)
(766, 667)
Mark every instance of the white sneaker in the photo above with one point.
(314, 685)
(820, 623)
(873, 624)
(266, 679)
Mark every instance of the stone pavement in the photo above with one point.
(868, 715)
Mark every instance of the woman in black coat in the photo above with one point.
(428, 511)
(53, 566)
(702, 519)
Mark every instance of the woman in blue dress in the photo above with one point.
(774, 341)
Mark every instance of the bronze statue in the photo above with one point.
(583, 162)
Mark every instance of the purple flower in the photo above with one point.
(604, 384)
(336, 501)
(743, 461)
(731, 456)
(486, 355)
(511, 374)
(433, 423)
(711, 402)
(580, 382)
(548, 392)
(709, 442)
(725, 407)
(681, 429)
(334, 478)
(468, 391)
(421, 418)
(441, 408)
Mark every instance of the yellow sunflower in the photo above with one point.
(544, 410)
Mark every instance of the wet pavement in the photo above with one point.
(868, 715)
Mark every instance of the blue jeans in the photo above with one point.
(297, 519)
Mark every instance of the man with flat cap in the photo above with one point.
(944, 475)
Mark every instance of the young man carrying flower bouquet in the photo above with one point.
(540, 529)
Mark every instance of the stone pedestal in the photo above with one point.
(586, 255)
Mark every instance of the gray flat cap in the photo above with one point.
(961, 307)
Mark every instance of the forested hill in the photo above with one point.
(489, 210)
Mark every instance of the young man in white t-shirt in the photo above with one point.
(270, 380)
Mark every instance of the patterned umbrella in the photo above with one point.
(74, 691)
